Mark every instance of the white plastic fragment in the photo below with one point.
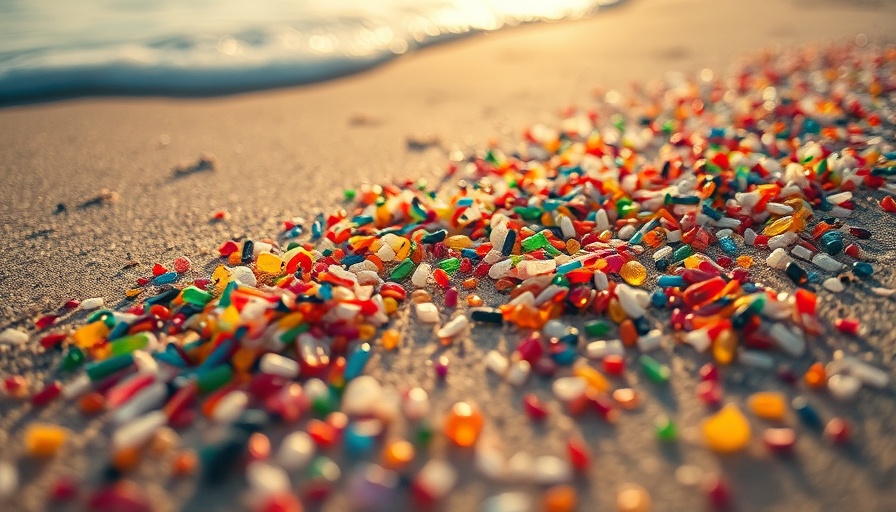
(650, 341)
(275, 364)
(548, 293)
(802, 253)
(416, 404)
(243, 275)
(699, 339)
(554, 329)
(77, 387)
(453, 327)
(550, 469)
(496, 362)
(825, 262)
(866, 373)
(662, 252)
(567, 389)
(632, 300)
(295, 451)
(883, 292)
(526, 298)
(427, 312)
(518, 373)
(755, 359)
(600, 280)
(13, 337)
(92, 303)
(833, 284)
(361, 395)
(783, 240)
(508, 502)
(437, 478)
(603, 348)
(421, 275)
(9, 479)
(626, 232)
(148, 398)
(520, 467)
(266, 479)
(844, 386)
(145, 363)
(139, 430)
(230, 407)
(566, 227)
(790, 341)
(500, 269)
(778, 259)
(489, 461)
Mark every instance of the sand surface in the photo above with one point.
(290, 152)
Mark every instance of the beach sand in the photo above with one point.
(290, 152)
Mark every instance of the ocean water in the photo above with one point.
(195, 47)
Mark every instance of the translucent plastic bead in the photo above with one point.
(633, 273)
(463, 424)
(632, 497)
(726, 431)
(390, 339)
(397, 454)
(862, 270)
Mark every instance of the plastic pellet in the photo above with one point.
(726, 431)
(44, 440)
(633, 273)
(463, 424)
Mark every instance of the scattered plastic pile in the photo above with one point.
(645, 203)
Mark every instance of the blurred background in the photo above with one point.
(196, 47)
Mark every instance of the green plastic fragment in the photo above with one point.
(195, 296)
(561, 280)
(450, 265)
(424, 433)
(665, 429)
(323, 405)
(102, 314)
(682, 252)
(289, 337)
(73, 358)
(101, 369)
(214, 378)
(597, 328)
(349, 194)
(403, 270)
(129, 344)
(528, 213)
(655, 371)
(535, 242)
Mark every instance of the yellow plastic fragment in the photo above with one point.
(727, 431)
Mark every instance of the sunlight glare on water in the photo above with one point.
(211, 46)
